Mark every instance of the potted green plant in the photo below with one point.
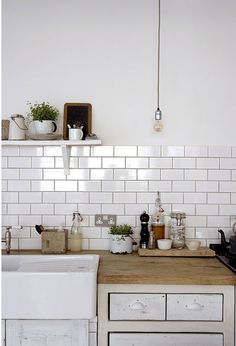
(121, 241)
(44, 116)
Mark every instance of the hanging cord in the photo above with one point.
(158, 52)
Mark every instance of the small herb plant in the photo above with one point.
(43, 111)
(124, 230)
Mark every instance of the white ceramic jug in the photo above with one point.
(17, 127)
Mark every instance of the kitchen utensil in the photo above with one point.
(229, 247)
(17, 127)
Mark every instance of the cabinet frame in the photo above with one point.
(105, 326)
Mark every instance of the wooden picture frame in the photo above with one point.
(77, 113)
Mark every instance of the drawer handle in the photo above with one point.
(137, 305)
(194, 306)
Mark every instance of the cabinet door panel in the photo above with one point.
(160, 339)
(141, 306)
(198, 307)
(46, 333)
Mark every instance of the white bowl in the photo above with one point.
(193, 245)
(164, 244)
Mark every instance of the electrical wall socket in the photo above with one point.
(105, 220)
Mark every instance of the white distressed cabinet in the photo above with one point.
(165, 315)
(49, 333)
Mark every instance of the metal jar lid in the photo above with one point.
(178, 215)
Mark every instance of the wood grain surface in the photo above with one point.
(201, 252)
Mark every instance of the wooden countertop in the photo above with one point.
(132, 269)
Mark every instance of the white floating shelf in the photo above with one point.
(64, 144)
(52, 142)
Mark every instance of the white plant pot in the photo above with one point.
(120, 244)
(45, 127)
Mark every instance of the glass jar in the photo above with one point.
(158, 224)
(76, 229)
(177, 229)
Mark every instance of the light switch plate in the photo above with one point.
(105, 220)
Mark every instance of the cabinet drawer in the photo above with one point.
(160, 339)
(142, 306)
(197, 307)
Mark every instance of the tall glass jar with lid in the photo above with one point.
(177, 229)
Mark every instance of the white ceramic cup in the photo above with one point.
(193, 245)
(45, 127)
(164, 244)
(75, 134)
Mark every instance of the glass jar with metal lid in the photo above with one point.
(177, 229)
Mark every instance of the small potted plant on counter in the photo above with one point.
(44, 116)
(121, 241)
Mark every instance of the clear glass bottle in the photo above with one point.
(177, 229)
(75, 237)
(158, 224)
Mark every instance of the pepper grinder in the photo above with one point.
(144, 218)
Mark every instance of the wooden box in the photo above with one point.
(54, 242)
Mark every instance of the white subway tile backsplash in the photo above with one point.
(125, 174)
(43, 209)
(124, 197)
(184, 163)
(31, 151)
(183, 186)
(101, 174)
(149, 174)
(43, 162)
(218, 198)
(90, 162)
(206, 209)
(207, 186)
(42, 185)
(30, 174)
(208, 163)
(11, 173)
(100, 197)
(219, 151)
(4, 162)
(195, 174)
(173, 151)
(196, 151)
(19, 162)
(229, 186)
(149, 151)
(137, 186)
(117, 209)
(162, 186)
(30, 197)
(163, 162)
(172, 174)
(113, 162)
(219, 174)
(54, 197)
(120, 180)
(102, 150)
(19, 185)
(138, 162)
(9, 197)
(77, 197)
(90, 186)
(228, 163)
(65, 185)
(111, 186)
(196, 197)
(125, 151)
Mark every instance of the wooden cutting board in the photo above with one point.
(201, 252)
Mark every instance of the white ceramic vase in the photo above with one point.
(45, 127)
(120, 244)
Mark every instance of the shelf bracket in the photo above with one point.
(66, 158)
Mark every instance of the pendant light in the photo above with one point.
(158, 126)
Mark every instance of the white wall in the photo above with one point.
(104, 52)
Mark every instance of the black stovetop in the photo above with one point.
(227, 259)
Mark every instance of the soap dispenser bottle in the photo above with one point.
(75, 237)
(158, 224)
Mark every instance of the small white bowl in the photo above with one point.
(193, 245)
(164, 244)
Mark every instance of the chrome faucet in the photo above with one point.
(7, 238)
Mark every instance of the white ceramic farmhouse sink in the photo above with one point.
(49, 286)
